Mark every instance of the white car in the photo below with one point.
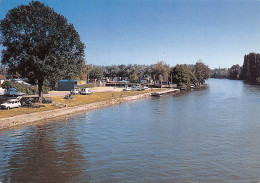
(74, 91)
(11, 103)
(136, 88)
(85, 91)
(127, 89)
(145, 88)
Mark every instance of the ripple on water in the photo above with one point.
(210, 135)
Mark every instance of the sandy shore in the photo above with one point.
(28, 118)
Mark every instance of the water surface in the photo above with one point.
(212, 135)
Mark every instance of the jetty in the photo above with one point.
(160, 93)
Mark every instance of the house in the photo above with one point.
(67, 85)
(2, 80)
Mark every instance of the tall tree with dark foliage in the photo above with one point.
(40, 44)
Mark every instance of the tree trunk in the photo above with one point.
(40, 92)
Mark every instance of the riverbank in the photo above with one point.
(22, 119)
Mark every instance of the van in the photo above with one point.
(85, 91)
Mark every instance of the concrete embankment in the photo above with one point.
(27, 118)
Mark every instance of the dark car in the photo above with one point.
(47, 100)
(11, 92)
(26, 102)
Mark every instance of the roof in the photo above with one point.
(11, 89)
(66, 80)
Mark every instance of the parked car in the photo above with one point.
(137, 88)
(145, 88)
(123, 81)
(68, 96)
(85, 91)
(13, 92)
(26, 102)
(75, 91)
(11, 103)
(127, 89)
(47, 100)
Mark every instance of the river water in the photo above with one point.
(212, 135)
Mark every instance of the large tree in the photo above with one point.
(182, 75)
(96, 73)
(40, 44)
(161, 69)
(202, 72)
(234, 72)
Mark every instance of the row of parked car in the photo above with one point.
(82, 91)
(22, 102)
(135, 88)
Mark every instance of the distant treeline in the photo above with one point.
(230, 73)
(250, 71)
(180, 74)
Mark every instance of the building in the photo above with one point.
(67, 85)
(2, 80)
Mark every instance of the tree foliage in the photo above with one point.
(29, 90)
(182, 75)
(190, 74)
(234, 72)
(161, 69)
(219, 73)
(251, 68)
(202, 72)
(40, 44)
(96, 72)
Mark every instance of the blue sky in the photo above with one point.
(219, 32)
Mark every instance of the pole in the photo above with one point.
(171, 79)
(148, 82)
(161, 82)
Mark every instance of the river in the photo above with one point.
(211, 135)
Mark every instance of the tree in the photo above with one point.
(182, 75)
(40, 44)
(133, 75)
(163, 69)
(234, 72)
(202, 72)
(251, 68)
(96, 73)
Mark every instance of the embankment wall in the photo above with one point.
(28, 118)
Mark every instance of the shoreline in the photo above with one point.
(37, 116)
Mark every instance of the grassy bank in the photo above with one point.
(59, 102)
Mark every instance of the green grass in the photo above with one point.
(76, 101)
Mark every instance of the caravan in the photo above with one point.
(85, 91)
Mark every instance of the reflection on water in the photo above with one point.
(209, 135)
(43, 154)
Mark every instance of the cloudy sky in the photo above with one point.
(219, 32)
